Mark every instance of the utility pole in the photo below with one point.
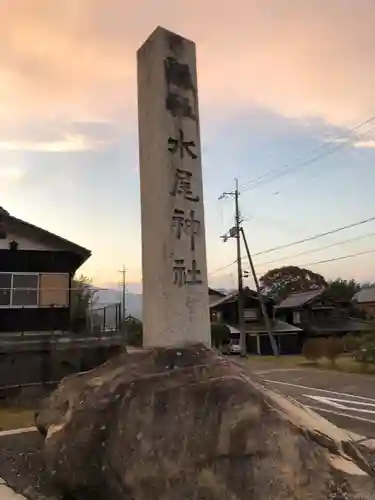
(260, 298)
(123, 285)
(235, 232)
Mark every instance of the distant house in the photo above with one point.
(319, 315)
(365, 301)
(224, 310)
(214, 295)
(36, 269)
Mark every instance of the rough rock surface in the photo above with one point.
(187, 424)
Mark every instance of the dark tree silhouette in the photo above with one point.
(281, 282)
(343, 290)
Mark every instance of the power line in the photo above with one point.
(315, 150)
(316, 236)
(337, 258)
(222, 268)
(342, 242)
(306, 163)
(304, 240)
(290, 167)
(334, 259)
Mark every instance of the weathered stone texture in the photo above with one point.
(174, 267)
(186, 424)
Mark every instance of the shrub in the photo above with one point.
(351, 343)
(333, 348)
(313, 349)
(220, 334)
(365, 350)
(134, 333)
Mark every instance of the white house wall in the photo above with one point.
(24, 243)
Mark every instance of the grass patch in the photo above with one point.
(347, 365)
(15, 418)
(344, 364)
(292, 360)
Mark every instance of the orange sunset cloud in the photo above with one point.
(75, 60)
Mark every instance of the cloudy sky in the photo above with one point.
(278, 79)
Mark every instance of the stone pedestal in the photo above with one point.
(175, 289)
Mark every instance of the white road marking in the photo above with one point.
(318, 390)
(12, 432)
(343, 404)
(353, 417)
(261, 372)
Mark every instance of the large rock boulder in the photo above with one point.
(187, 424)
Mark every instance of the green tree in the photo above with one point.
(365, 350)
(351, 343)
(280, 282)
(343, 290)
(220, 334)
(81, 295)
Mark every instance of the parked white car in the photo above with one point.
(234, 346)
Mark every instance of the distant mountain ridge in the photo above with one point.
(134, 303)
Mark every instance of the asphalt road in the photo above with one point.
(347, 400)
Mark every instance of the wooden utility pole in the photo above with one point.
(260, 297)
(123, 285)
(235, 232)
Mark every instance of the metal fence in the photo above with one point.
(106, 318)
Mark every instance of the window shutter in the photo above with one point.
(54, 290)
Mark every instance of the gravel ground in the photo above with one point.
(21, 466)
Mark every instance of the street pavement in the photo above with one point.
(347, 400)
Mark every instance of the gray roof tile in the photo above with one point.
(365, 295)
(300, 299)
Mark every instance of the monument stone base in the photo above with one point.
(168, 424)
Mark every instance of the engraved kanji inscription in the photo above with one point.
(178, 222)
(180, 98)
(192, 227)
(188, 225)
(179, 105)
(182, 185)
(177, 73)
(194, 274)
(181, 145)
(179, 272)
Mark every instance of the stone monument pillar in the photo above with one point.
(175, 289)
